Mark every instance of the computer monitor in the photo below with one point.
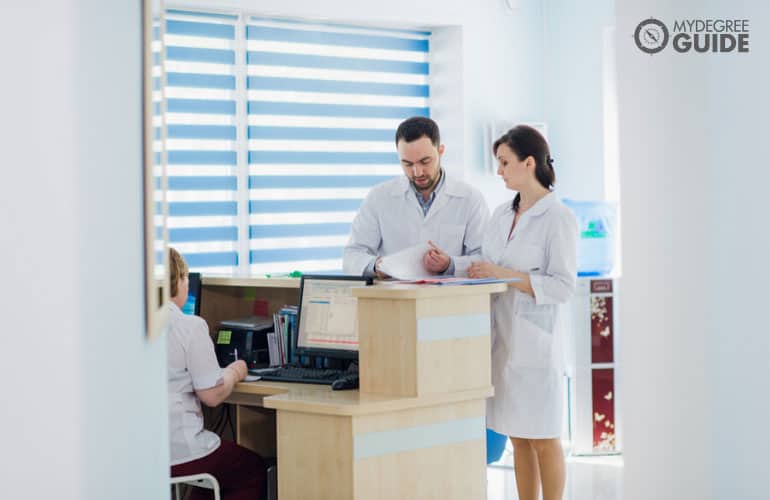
(328, 316)
(193, 304)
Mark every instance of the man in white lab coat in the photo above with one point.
(424, 206)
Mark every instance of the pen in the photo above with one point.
(236, 354)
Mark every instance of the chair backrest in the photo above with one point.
(203, 480)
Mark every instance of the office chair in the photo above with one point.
(210, 482)
(200, 480)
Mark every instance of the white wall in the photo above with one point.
(574, 101)
(693, 149)
(503, 54)
(84, 411)
(40, 413)
(740, 345)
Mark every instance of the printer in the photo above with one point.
(244, 338)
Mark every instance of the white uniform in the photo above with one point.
(390, 219)
(529, 334)
(192, 364)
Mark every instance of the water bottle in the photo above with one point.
(597, 236)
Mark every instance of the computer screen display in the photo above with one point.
(328, 315)
(193, 303)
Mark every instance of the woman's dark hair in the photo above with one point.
(416, 127)
(525, 141)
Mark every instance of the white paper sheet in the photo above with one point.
(406, 264)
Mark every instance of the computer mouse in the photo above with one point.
(347, 382)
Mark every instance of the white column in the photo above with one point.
(694, 179)
(83, 411)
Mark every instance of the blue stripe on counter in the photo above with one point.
(453, 327)
(376, 444)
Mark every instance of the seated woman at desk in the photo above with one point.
(194, 376)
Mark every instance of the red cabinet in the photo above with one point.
(593, 413)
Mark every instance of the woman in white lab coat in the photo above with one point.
(533, 238)
(194, 377)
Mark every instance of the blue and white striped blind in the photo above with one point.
(202, 139)
(324, 103)
(321, 102)
(159, 213)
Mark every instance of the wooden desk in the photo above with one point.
(346, 445)
(415, 430)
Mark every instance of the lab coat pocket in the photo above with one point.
(451, 238)
(533, 327)
(541, 315)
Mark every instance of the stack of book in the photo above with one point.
(280, 342)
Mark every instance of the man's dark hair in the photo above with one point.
(416, 127)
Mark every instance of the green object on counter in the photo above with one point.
(293, 274)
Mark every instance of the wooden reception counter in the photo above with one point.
(415, 429)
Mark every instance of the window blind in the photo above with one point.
(276, 130)
(200, 93)
(323, 105)
(158, 196)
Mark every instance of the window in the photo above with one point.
(276, 130)
(202, 135)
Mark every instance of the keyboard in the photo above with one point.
(304, 375)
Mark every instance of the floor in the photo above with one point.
(588, 478)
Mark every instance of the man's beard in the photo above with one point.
(430, 185)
